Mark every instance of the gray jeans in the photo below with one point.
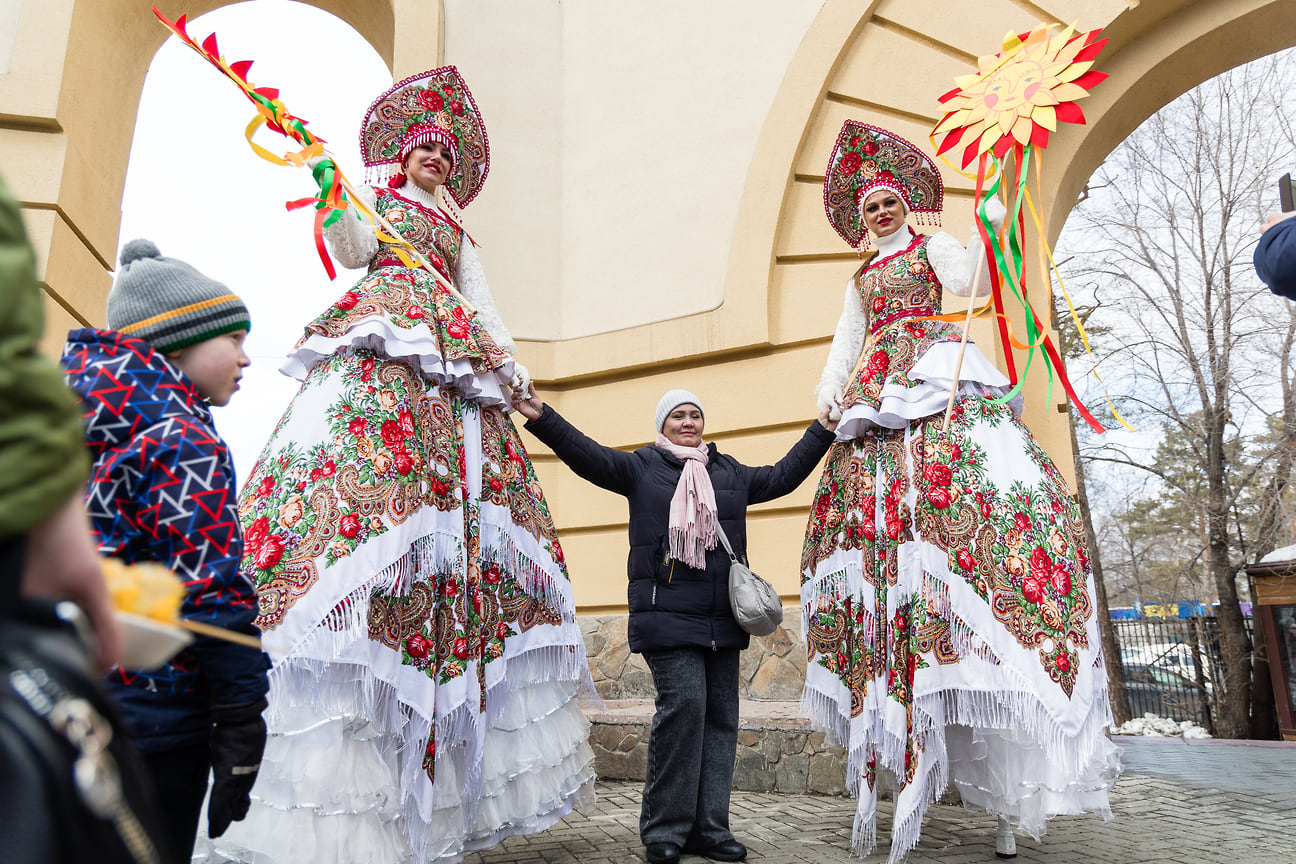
(692, 747)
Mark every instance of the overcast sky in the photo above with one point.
(197, 190)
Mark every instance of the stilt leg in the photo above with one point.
(1005, 843)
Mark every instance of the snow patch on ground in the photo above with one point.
(1160, 727)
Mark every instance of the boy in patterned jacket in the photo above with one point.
(162, 489)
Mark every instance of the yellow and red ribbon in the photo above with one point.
(334, 186)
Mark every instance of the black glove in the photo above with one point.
(237, 741)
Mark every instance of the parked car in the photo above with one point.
(1165, 693)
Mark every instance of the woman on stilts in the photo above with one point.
(428, 669)
(945, 581)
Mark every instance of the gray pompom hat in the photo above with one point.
(168, 303)
(672, 400)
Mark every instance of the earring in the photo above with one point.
(396, 180)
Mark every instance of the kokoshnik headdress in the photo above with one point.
(432, 106)
(866, 159)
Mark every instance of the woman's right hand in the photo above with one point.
(527, 403)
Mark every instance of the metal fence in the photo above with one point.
(1173, 666)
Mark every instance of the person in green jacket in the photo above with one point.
(45, 545)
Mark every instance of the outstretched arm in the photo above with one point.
(848, 341)
(614, 470)
(772, 481)
(956, 266)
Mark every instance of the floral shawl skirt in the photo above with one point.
(951, 632)
(428, 668)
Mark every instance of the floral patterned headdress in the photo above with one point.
(866, 159)
(432, 106)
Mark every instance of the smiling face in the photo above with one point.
(215, 365)
(428, 165)
(883, 212)
(683, 425)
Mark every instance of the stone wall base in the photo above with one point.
(778, 751)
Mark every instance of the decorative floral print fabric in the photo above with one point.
(410, 299)
(946, 585)
(428, 666)
(394, 447)
(898, 292)
(1019, 549)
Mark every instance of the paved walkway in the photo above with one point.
(1196, 802)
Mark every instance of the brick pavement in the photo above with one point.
(1176, 803)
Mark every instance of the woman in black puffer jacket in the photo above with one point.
(679, 602)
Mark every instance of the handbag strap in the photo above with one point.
(73, 717)
(724, 541)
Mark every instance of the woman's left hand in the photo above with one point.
(826, 422)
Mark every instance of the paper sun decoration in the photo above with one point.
(1000, 118)
(1017, 97)
(333, 198)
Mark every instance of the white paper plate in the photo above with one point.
(147, 644)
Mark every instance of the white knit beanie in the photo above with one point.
(672, 400)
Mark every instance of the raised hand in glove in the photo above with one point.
(237, 741)
(322, 168)
(521, 381)
(996, 211)
(828, 398)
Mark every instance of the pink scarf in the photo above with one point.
(692, 526)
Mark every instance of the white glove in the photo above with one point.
(521, 380)
(829, 399)
(996, 211)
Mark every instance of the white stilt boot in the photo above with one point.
(1005, 843)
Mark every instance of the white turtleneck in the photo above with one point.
(418, 194)
(894, 242)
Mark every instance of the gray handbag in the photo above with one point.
(756, 605)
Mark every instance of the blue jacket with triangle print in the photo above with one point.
(162, 489)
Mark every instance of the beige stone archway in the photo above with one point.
(68, 105)
(884, 62)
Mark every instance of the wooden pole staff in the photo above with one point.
(218, 633)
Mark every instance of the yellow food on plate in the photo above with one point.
(146, 589)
